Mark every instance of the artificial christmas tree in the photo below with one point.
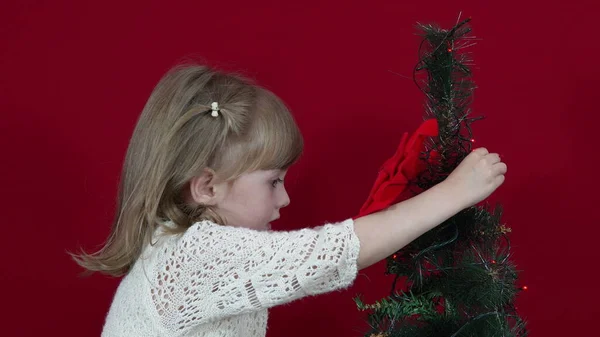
(458, 278)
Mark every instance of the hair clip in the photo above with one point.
(215, 109)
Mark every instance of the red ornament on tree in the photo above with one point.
(400, 169)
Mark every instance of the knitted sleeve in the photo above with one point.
(214, 272)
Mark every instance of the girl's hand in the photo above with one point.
(476, 177)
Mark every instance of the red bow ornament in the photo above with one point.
(399, 170)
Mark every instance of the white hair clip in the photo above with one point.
(215, 109)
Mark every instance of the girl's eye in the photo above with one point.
(274, 183)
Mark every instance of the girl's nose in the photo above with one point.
(285, 199)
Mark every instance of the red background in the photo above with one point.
(74, 76)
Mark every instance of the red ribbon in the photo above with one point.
(399, 170)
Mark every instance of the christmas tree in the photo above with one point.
(458, 278)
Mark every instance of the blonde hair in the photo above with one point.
(175, 139)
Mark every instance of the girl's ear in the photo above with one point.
(202, 188)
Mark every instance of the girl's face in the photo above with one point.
(253, 200)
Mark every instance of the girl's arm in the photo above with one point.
(385, 232)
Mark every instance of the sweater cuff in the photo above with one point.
(349, 271)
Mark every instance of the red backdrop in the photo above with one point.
(75, 75)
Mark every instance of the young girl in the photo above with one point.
(203, 179)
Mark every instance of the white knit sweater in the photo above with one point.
(217, 280)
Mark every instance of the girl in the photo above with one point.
(203, 179)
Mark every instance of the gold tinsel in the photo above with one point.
(372, 307)
(504, 229)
